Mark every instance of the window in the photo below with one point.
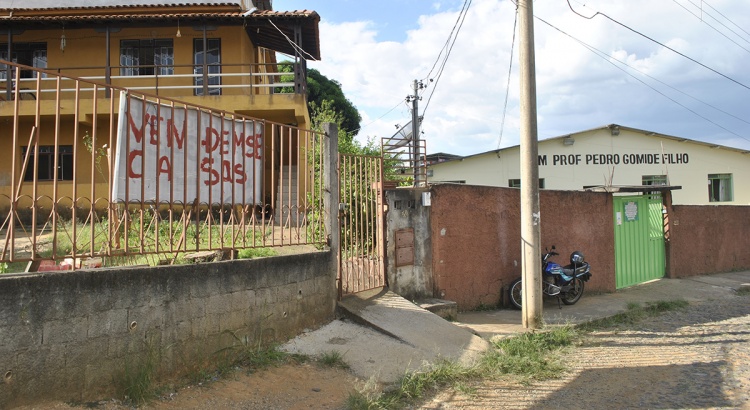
(33, 54)
(719, 187)
(147, 57)
(47, 163)
(212, 58)
(516, 183)
(654, 180)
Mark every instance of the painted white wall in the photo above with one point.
(571, 167)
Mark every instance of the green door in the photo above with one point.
(639, 239)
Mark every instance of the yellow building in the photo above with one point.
(221, 56)
(612, 156)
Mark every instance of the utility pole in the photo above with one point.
(414, 99)
(530, 218)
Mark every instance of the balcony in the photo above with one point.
(225, 86)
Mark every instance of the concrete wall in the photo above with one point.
(708, 239)
(71, 335)
(406, 210)
(476, 239)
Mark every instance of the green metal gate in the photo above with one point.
(639, 239)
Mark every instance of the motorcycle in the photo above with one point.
(566, 282)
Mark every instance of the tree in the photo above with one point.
(324, 95)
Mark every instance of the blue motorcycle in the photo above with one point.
(565, 282)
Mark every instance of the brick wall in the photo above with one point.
(708, 239)
(71, 335)
(476, 239)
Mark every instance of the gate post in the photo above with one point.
(332, 194)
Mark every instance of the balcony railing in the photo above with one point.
(167, 81)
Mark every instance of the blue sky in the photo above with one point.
(376, 48)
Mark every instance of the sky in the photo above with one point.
(376, 48)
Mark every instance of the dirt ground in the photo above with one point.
(698, 357)
(290, 386)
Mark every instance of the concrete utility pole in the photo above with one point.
(414, 99)
(530, 218)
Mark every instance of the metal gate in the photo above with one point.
(639, 239)
(361, 222)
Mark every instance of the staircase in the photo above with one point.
(287, 210)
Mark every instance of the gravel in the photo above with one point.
(697, 357)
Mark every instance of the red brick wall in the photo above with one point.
(476, 236)
(708, 239)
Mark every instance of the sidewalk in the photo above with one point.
(489, 324)
(397, 336)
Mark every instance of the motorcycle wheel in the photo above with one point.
(516, 293)
(574, 295)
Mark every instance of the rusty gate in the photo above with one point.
(361, 221)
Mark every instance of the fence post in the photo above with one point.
(332, 194)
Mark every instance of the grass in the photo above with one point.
(634, 313)
(138, 377)
(530, 356)
(745, 290)
(526, 357)
(333, 359)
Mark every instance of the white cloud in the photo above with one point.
(576, 89)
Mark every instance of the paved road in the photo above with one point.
(694, 358)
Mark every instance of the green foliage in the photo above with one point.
(137, 381)
(333, 359)
(249, 253)
(4, 268)
(633, 314)
(528, 356)
(321, 89)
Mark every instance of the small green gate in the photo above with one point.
(639, 239)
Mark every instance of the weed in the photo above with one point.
(333, 359)
(744, 290)
(530, 356)
(250, 253)
(138, 377)
(634, 313)
(484, 308)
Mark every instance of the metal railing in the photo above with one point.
(170, 81)
(138, 178)
(405, 161)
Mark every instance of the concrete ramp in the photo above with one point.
(386, 336)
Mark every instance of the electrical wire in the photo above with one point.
(447, 54)
(659, 43)
(447, 41)
(605, 57)
(507, 86)
(376, 119)
(714, 28)
(727, 18)
(292, 43)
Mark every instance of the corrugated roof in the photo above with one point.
(267, 28)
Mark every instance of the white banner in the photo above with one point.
(167, 154)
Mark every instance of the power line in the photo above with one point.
(714, 28)
(605, 57)
(465, 11)
(659, 43)
(447, 41)
(376, 119)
